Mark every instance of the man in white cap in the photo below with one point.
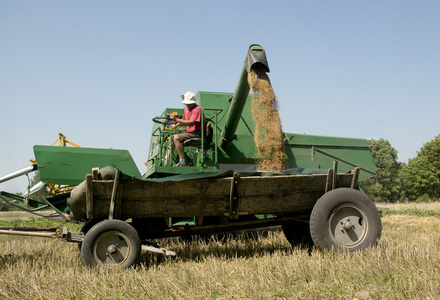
(192, 115)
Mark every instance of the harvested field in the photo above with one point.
(430, 206)
(404, 265)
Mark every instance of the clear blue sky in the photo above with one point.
(99, 71)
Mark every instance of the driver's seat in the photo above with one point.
(197, 142)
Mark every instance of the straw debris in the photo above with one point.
(268, 134)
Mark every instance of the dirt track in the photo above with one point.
(12, 215)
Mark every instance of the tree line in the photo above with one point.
(417, 180)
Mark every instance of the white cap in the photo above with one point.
(188, 98)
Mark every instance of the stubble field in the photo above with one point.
(404, 265)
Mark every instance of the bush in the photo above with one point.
(422, 174)
(424, 199)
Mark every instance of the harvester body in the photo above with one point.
(228, 140)
(301, 150)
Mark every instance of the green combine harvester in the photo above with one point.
(316, 198)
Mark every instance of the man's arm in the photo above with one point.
(181, 122)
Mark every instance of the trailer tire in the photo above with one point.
(111, 244)
(345, 219)
(87, 226)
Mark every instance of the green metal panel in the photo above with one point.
(302, 150)
(242, 149)
(69, 165)
(57, 202)
(313, 151)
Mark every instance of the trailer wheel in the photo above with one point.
(345, 219)
(111, 244)
(87, 226)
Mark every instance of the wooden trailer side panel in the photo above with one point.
(209, 197)
(143, 199)
(283, 194)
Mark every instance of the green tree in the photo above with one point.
(385, 184)
(422, 174)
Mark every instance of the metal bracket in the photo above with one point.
(68, 236)
(234, 197)
(61, 214)
(158, 250)
(223, 152)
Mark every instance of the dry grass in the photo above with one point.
(430, 206)
(404, 265)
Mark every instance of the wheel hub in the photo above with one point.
(346, 225)
(111, 249)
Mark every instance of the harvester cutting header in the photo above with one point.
(242, 171)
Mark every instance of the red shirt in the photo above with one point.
(195, 114)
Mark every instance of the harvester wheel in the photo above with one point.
(345, 219)
(111, 244)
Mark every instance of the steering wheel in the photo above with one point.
(163, 120)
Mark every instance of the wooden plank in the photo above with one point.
(328, 184)
(95, 173)
(355, 177)
(89, 196)
(211, 197)
(280, 193)
(148, 199)
(335, 172)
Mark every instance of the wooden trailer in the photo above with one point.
(324, 209)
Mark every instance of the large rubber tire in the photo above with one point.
(345, 219)
(87, 226)
(111, 244)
